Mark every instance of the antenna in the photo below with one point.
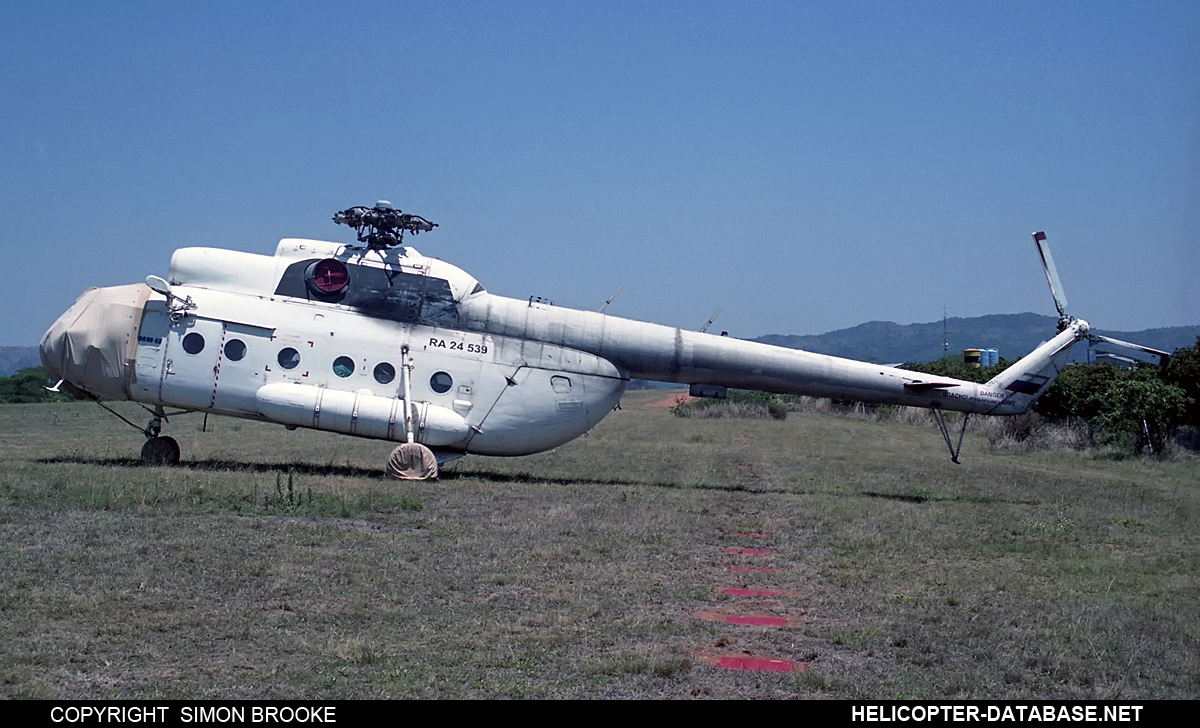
(610, 299)
(945, 337)
(704, 328)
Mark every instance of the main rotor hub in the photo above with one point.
(382, 226)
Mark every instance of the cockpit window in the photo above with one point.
(383, 292)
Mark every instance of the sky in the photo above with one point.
(803, 166)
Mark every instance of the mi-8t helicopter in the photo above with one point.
(376, 340)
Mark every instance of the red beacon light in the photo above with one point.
(328, 276)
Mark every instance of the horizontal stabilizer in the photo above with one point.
(923, 386)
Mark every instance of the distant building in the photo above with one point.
(981, 357)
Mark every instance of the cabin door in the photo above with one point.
(151, 351)
(192, 364)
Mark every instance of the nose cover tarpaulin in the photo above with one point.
(93, 346)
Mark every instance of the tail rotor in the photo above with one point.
(1060, 302)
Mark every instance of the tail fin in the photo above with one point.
(1026, 380)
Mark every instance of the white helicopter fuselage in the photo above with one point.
(413, 344)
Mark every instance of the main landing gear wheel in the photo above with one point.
(160, 451)
(412, 461)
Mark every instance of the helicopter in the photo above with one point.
(376, 340)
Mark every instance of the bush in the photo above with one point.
(1135, 408)
(1183, 371)
(954, 366)
(1031, 432)
(27, 386)
(739, 404)
(1142, 411)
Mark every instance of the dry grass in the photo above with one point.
(575, 573)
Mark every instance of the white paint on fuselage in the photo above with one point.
(523, 376)
(524, 416)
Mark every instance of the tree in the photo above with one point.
(1138, 407)
(1183, 371)
(27, 385)
(954, 366)
(1141, 410)
(1079, 392)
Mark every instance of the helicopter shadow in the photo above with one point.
(447, 475)
(300, 468)
(519, 478)
(530, 479)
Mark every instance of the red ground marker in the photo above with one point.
(754, 620)
(760, 663)
(734, 591)
(765, 664)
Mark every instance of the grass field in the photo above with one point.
(277, 564)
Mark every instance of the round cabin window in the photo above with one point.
(235, 349)
(384, 373)
(193, 343)
(289, 358)
(441, 382)
(343, 366)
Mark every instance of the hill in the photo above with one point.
(1013, 334)
(15, 358)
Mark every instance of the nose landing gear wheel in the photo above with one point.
(160, 451)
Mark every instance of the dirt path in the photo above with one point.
(671, 400)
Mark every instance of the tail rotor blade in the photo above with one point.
(1056, 287)
(1162, 355)
(1060, 302)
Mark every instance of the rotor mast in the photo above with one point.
(382, 226)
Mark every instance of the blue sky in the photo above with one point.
(807, 166)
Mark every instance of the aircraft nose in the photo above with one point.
(93, 346)
(55, 348)
(51, 349)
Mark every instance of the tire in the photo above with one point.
(160, 451)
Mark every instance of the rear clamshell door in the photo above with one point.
(539, 407)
